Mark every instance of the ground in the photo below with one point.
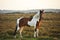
(49, 30)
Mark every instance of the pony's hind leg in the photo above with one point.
(17, 28)
(15, 31)
(21, 29)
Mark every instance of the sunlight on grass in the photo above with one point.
(49, 30)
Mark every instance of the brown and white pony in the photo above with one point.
(34, 21)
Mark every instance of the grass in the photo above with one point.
(49, 30)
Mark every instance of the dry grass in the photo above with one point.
(49, 30)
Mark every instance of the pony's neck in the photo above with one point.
(40, 17)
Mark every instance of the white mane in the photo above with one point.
(36, 16)
(34, 19)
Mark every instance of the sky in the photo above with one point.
(29, 4)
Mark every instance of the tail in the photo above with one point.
(15, 30)
(17, 26)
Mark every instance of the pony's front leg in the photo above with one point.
(34, 32)
(37, 32)
(21, 29)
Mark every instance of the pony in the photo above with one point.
(32, 21)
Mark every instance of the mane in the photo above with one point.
(37, 16)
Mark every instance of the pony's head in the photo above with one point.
(42, 12)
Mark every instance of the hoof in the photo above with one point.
(35, 36)
(14, 36)
(21, 37)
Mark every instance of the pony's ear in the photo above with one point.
(42, 11)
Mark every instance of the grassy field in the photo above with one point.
(49, 30)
